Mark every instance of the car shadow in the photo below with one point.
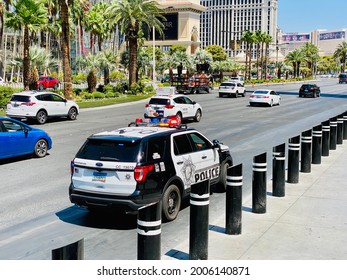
(101, 219)
(19, 158)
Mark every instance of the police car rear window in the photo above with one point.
(110, 150)
(159, 101)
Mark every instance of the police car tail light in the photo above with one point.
(147, 105)
(252, 96)
(169, 106)
(140, 172)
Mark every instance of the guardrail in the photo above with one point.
(312, 144)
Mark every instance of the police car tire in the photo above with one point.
(171, 192)
(222, 179)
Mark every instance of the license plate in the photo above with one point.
(306, 89)
(99, 177)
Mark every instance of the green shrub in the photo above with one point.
(88, 96)
(98, 95)
(79, 78)
(5, 95)
(110, 94)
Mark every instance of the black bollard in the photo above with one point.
(325, 138)
(259, 184)
(233, 215)
(293, 160)
(306, 154)
(345, 125)
(278, 170)
(73, 251)
(317, 144)
(149, 231)
(339, 133)
(333, 133)
(199, 220)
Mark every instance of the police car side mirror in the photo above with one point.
(216, 143)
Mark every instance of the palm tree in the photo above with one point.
(341, 54)
(182, 60)
(32, 16)
(202, 57)
(108, 62)
(248, 38)
(295, 58)
(169, 62)
(311, 56)
(97, 24)
(267, 40)
(131, 16)
(258, 39)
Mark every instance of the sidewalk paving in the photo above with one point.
(308, 223)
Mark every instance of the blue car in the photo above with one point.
(17, 139)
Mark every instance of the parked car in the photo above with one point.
(231, 88)
(134, 166)
(40, 106)
(264, 96)
(343, 78)
(311, 90)
(47, 82)
(179, 105)
(17, 139)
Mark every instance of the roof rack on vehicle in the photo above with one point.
(171, 122)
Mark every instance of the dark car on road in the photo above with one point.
(310, 90)
(343, 78)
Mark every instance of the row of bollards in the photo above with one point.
(313, 144)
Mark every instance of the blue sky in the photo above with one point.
(308, 15)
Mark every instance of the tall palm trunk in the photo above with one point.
(132, 66)
(26, 59)
(65, 49)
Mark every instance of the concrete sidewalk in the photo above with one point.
(309, 223)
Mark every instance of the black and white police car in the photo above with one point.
(147, 161)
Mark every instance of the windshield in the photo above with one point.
(110, 150)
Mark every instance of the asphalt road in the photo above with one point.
(36, 215)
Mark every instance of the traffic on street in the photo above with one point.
(35, 191)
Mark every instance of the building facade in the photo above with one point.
(224, 22)
(182, 26)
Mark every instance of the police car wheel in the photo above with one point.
(223, 177)
(171, 202)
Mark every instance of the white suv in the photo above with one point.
(179, 105)
(231, 88)
(133, 166)
(40, 106)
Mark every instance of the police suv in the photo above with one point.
(147, 161)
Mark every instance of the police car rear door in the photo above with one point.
(194, 158)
